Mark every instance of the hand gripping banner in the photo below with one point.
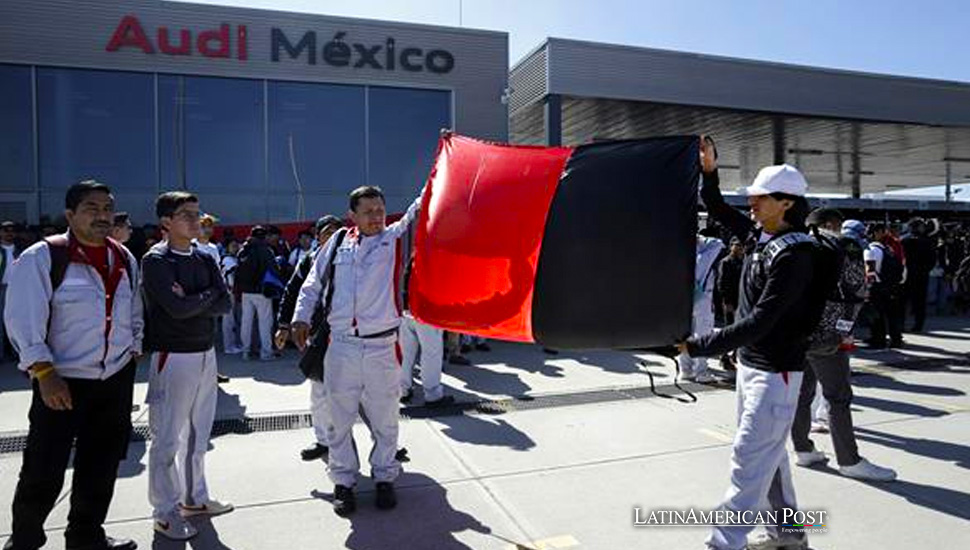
(571, 247)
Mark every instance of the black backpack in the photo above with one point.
(834, 289)
(891, 271)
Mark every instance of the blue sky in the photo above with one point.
(924, 38)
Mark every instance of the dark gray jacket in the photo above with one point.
(182, 324)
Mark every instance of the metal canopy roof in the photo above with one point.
(882, 132)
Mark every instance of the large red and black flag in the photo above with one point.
(571, 247)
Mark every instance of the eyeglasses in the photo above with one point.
(188, 216)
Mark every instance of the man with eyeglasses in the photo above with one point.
(184, 296)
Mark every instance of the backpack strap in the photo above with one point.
(776, 246)
(332, 269)
(59, 246)
(60, 251)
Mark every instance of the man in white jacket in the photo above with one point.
(363, 361)
(75, 318)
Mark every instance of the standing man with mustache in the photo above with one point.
(75, 318)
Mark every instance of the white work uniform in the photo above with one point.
(182, 396)
(360, 369)
(708, 250)
(418, 337)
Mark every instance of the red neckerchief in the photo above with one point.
(76, 254)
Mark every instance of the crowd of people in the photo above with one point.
(786, 285)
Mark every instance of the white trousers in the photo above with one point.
(693, 366)
(418, 337)
(362, 373)
(230, 328)
(766, 404)
(319, 412)
(182, 395)
(262, 307)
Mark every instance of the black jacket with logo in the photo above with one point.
(772, 331)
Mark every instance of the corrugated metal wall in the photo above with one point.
(594, 70)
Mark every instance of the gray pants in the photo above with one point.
(759, 463)
(831, 368)
(3, 327)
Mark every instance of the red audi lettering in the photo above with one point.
(130, 33)
(221, 37)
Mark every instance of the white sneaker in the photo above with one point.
(705, 377)
(174, 526)
(809, 458)
(868, 471)
(767, 542)
(210, 508)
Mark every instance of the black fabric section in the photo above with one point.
(616, 268)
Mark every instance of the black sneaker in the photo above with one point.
(402, 455)
(313, 452)
(550, 351)
(443, 402)
(386, 499)
(344, 501)
(221, 378)
(459, 360)
(407, 396)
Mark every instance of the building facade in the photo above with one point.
(268, 116)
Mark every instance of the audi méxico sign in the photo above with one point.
(232, 42)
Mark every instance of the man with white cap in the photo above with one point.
(774, 322)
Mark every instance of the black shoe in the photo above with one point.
(728, 364)
(459, 360)
(314, 452)
(406, 398)
(550, 351)
(221, 378)
(344, 501)
(109, 543)
(402, 455)
(443, 402)
(483, 347)
(386, 499)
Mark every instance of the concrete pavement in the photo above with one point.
(556, 452)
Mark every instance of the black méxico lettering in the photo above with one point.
(336, 52)
(368, 56)
(439, 61)
(406, 55)
(308, 42)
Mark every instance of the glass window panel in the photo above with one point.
(211, 134)
(16, 120)
(96, 124)
(404, 129)
(318, 132)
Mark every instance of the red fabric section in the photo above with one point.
(478, 238)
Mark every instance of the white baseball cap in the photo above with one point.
(782, 178)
